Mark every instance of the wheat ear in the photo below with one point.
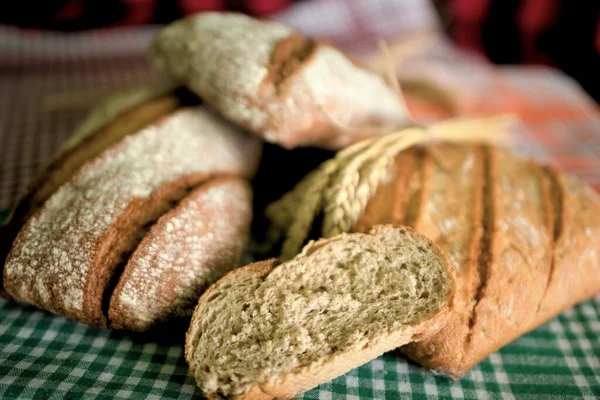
(369, 175)
(295, 211)
(339, 195)
(348, 198)
(343, 186)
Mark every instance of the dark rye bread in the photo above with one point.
(272, 330)
(121, 115)
(188, 249)
(524, 240)
(68, 253)
(288, 89)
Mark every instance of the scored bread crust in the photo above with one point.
(65, 255)
(288, 89)
(519, 269)
(187, 249)
(303, 378)
(449, 182)
(575, 270)
(122, 114)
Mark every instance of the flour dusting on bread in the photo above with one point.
(188, 249)
(51, 262)
(288, 89)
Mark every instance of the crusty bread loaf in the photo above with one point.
(189, 248)
(291, 90)
(269, 331)
(122, 114)
(66, 254)
(524, 240)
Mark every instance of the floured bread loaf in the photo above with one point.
(189, 248)
(268, 331)
(67, 253)
(122, 114)
(291, 90)
(524, 240)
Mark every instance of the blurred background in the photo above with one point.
(535, 59)
(560, 33)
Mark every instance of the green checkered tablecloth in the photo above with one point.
(47, 357)
(43, 356)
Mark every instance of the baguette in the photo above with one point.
(288, 89)
(523, 239)
(269, 331)
(119, 116)
(67, 253)
(188, 249)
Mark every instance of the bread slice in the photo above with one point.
(290, 90)
(188, 249)
(121, 115)
(524, 241)
(269, 331)
(66, 254)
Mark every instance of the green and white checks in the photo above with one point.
(47, 357)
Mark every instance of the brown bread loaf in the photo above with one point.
(120, 115)
(68, 253)
(524, 240)
(288, 89)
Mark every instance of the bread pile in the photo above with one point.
(523, 239)
(446, 250)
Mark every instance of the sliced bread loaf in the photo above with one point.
(122, 114)
(188, 249)
(291, 90)
(269, 331)
(68, 252)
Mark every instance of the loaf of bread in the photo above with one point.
(120, 115)
(289, 89)
(70, 252)
(269, 331)
(523, 239)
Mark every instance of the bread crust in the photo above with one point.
(575, 272)
(390, 203)
(519, 271)
(65, 255)
(303, 378)
(121, 115)
(457, 176)
(174, 263)
(288, 89)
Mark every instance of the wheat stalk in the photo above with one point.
(343, 185)
(370, 175)
(284, 212)
(295, 211)
(347, 201)
(339, 196)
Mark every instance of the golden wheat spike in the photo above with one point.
(342, 187)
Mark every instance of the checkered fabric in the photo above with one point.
(49, 81)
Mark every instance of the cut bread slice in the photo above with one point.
(188, 249)
(288, 89)
(269, 331)
(121, 115)
(68, 252)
